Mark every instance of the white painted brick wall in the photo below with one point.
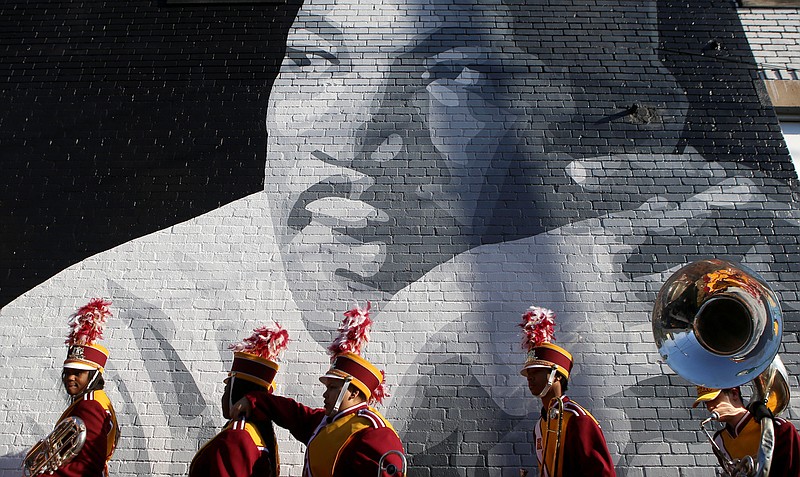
(448, 340)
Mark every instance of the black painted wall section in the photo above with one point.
(118, 119)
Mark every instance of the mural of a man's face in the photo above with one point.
(392, 152)
(388, 156)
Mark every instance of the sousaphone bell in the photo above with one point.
(719, 325)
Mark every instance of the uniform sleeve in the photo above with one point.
(298, 419)
(91, 460)
(786, 456)
(585, 448)
(231, 453)
(361, 456)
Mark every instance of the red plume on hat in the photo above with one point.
(538, 326)
(87, 324)
(353, 332)
(266, 342)
(254, 358)
(86, 328)
(346, 359)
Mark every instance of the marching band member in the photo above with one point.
(568, 439)
(348, 437)
(244, 448)
(83, 380)
(741, 436)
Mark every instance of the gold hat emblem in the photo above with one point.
(76, 352)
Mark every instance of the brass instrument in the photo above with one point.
(719, 325)
(56, 449)
(730, 468)
(553, 413)
(716, 324)
(772, 386)
(771, 389)
(392, 469)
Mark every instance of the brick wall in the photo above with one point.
(452, 162)
(774, 37)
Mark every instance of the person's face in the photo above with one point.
(332, 389)
(537, 380)
(226, 400)
(387, 156)
(726, 404)
(75, 380)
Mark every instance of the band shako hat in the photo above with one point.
(705, 394)
(346, 359)
(86, 327)
(538, 330)
(255, 358)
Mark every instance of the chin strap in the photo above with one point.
(230, 395)
(88, 387)
(339, 399)
(550, 380)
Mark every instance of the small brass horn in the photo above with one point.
(56, 449)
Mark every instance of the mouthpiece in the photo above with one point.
(713, 417)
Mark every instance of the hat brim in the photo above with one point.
(330, 376)
(81, 366)
(268, 385)
(524, 371)
(543, 365)
(706, 397)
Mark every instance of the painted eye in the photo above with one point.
(465, 74)
(310, 60)
(310, 54)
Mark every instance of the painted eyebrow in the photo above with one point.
(318, 25)
(298, 55)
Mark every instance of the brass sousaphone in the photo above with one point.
(719, 324)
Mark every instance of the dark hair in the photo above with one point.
(729, 391)
(98, 384)
(242, 386)
(354, 389)
(564, 382)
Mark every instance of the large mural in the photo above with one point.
(452, 162)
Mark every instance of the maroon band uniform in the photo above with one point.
(349, 445)
(744, 438)
(244, 448)
(98, 416)
(353, 442)
(568, 440)
(93, 407)
(241, 449)
(583, 449)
